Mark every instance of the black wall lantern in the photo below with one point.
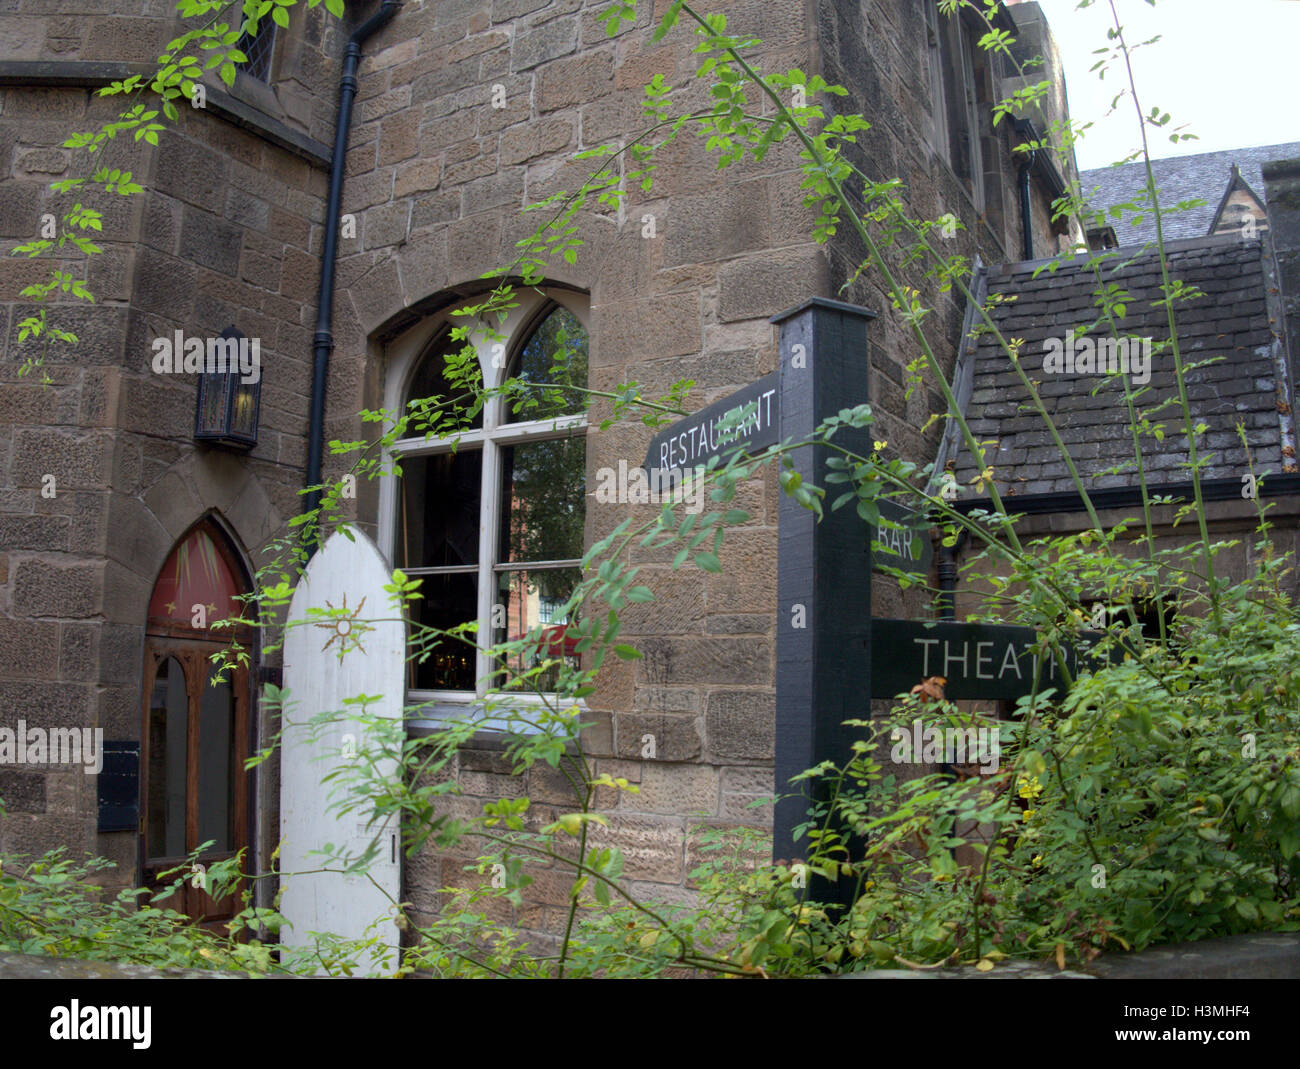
(230, 391)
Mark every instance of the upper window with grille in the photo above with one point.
(259, 47)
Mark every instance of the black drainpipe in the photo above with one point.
(948, 577)
(323, 339)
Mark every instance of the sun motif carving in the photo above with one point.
(346, 626)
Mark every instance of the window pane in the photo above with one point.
(430, 382)
(259, 49)
(556, 353)
(442, 663)
(533, 599)
(438, 521)
(216, 765)
(168, 739)
(543, 500)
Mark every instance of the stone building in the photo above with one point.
(1220, 193)
(465, 112)
(1238, 339)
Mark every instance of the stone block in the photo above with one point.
(20, 211)
(25, 647)
(763, 286)
(399, 137)
(386, 225)
(77, 461)
(716, 225)
(685, 790)
(651, 846)
(66, 591)
(692, 659)
(741, 725)
(46, 705)
(22, 792)
(668, 737)
(530, 140)
(579, 80)
(417, 176)
(547, 41)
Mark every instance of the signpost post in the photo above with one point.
(823, 589)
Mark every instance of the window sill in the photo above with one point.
(445, 706)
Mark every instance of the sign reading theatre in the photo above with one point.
(977, 660)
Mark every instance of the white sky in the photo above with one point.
(1230, 69)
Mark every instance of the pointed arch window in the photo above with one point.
(494, 524)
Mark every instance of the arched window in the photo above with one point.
(495, 527)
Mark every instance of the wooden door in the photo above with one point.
(193, 784)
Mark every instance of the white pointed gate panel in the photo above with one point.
(346, 579)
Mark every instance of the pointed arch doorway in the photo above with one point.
(196, 733)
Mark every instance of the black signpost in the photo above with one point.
(832, 657)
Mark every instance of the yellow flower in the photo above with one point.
(1038, 861)
(1027, 788)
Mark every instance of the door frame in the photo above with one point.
(191, 648)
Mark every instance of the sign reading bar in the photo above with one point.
(986, 661)
(909, 550)
(690, 442)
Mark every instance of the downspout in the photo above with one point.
(948, 577)
(323, 339)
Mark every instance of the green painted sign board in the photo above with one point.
(979, 661)
(909, 549)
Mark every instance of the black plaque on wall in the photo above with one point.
(119, 786)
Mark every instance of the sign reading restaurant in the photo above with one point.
(749, 420)
(690, 442)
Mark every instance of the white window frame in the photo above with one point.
(403, 356)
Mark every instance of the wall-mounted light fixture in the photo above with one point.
(230, 391)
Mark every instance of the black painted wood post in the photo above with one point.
(823, 673)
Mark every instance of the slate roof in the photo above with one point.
(1230, 321)
(1202, 177)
